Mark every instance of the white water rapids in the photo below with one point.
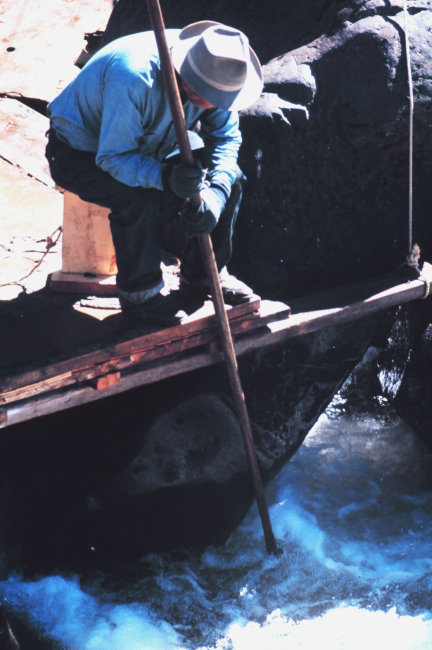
(353, 513)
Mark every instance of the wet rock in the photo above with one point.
(410, 377)
(15, 634)
(7, 637)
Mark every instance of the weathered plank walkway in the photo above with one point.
(37, 387)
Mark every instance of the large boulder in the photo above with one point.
(328, 198)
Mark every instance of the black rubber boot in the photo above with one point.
(234, 291)
(160, 310)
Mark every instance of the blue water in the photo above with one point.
(353, 513)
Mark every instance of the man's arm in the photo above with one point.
(121, 130)
(222, 139)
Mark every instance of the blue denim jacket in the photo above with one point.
(117, 108)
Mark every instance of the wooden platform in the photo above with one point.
(54, 359)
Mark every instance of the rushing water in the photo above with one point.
(353, 513)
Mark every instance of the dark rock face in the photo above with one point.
(329, 196)
(272, 27)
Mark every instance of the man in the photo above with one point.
(112, 142)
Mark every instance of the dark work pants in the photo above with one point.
(135, 218)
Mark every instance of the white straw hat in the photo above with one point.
(217, 62)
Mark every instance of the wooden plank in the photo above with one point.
(65, 398)
(348, 308)
(136, 345)
(270, 312)
(301, 323)
(51, 384)
(298, 325)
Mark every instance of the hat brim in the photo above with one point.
(234, 101)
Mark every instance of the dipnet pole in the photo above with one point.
(212, 273)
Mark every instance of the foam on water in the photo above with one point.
(339, 629)
(352, 512)
(61, 610)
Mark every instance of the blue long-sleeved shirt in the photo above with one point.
(117, 108)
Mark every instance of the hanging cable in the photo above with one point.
(412, 259)
(411, 128)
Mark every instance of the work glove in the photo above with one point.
(185, 181)
(202, 220)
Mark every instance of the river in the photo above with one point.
(352, 512)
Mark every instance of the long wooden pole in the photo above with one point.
(212, 272)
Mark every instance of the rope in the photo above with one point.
(50, 243)
(411, 127)
(412, 259)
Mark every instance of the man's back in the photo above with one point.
(119, 77)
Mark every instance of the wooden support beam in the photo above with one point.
(88, 257)
(349, 303)
(345, 304)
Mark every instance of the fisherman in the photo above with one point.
(112, 142)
